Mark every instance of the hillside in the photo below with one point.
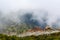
(53, 36)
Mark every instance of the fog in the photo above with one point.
(12, 9)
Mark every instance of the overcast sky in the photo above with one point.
(52, 6)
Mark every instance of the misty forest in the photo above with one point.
(20, 23)
(29, 19)
(16, 23)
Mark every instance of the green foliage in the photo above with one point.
(17, 29)
(54, 36)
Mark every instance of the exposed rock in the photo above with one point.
(48, 28)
